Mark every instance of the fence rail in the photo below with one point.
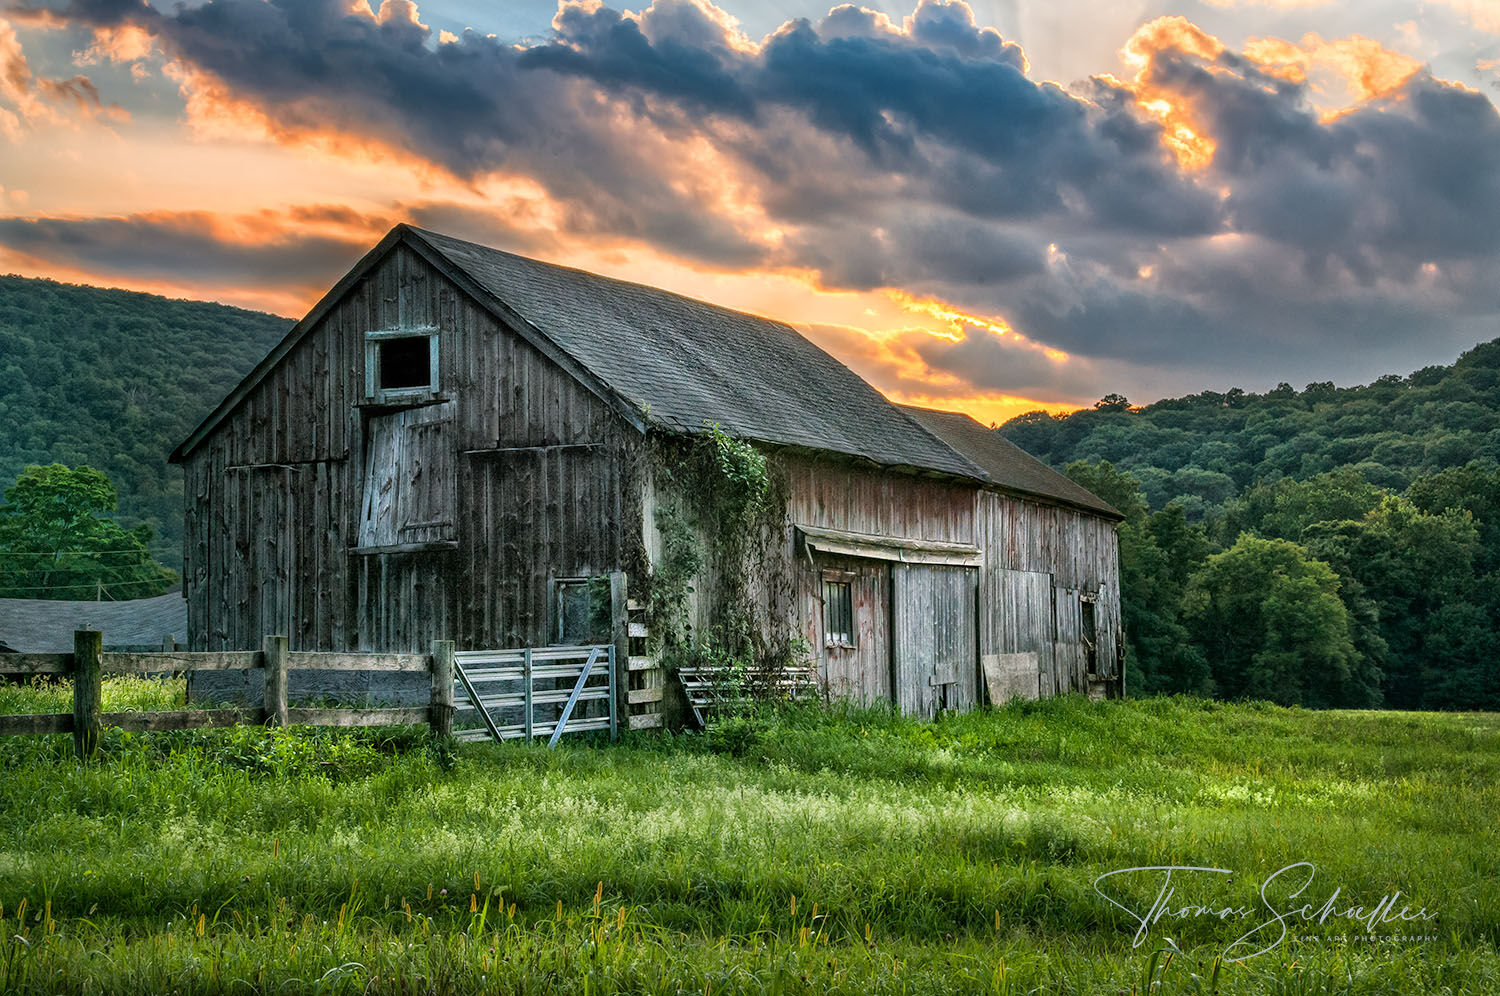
(89, 662)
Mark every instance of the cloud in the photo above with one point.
(302, 249)
(1289, 207)
(27, 98)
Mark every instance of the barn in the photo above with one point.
(462, 443)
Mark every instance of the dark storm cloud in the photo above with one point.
(918, 155)
(185, 247)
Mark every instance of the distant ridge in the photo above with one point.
(112, 379)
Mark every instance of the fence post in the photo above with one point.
(440, 714)
(273, 659)
(88, 691)
(619, 661)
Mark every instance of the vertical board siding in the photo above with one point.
(1040, 559)
(862, 672)
(276, 494)
(935, 647)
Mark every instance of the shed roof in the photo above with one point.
(1007, 465)
(45, 626)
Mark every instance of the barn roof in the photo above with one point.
(683, 363)
(1007, 465)
(678, 363)
(45, 626)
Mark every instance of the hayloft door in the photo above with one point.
(409, 479)
(934, 645)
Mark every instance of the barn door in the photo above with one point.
(409, 480)
(934, 638)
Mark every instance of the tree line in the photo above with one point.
(1328, 547)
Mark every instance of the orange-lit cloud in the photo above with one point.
(1182, 131)
(27, 98)
(1361, 67)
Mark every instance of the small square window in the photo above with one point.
(838, 611)
(404, 363)
(401, 364)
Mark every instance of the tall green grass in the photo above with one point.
(795, 851)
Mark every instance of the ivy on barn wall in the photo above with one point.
(721, 518)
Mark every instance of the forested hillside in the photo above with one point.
(1330, 546)
(115, 379)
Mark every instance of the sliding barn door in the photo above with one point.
(934, 634)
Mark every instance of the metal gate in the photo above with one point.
(535, 692)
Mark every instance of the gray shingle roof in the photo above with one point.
(1007, 464)
(45, 626)
(685, 362)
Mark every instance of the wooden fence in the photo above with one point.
(88, 663)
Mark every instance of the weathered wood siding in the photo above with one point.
(919, 622)
(861, 672)
(934, 642)
(1040, 560)
(533, 463)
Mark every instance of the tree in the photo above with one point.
(1271, 624)
(1411, 564)
(54, 542)
(1283, 509)
(1112, 403)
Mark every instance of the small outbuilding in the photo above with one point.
(461, 443)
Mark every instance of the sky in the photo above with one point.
(991, 207)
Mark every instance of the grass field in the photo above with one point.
(803, 851)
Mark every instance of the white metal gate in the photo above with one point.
(535, 692)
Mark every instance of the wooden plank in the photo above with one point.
(312, 660)
(36, 724)
(440, 704)
(233, 660)
(641, 695)
(619, 634)
(642, 663)
(639, 630)
(180, 719)
(406, 716)
(647, 721)
(36, 663)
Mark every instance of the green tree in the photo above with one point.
(1411, 564)
(55, 542)
(1269, 619)
(1283, 509)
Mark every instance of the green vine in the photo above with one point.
(721, 523)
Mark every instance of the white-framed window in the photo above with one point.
(838, 608)
(401, 364)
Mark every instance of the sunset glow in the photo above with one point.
(897, 184)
